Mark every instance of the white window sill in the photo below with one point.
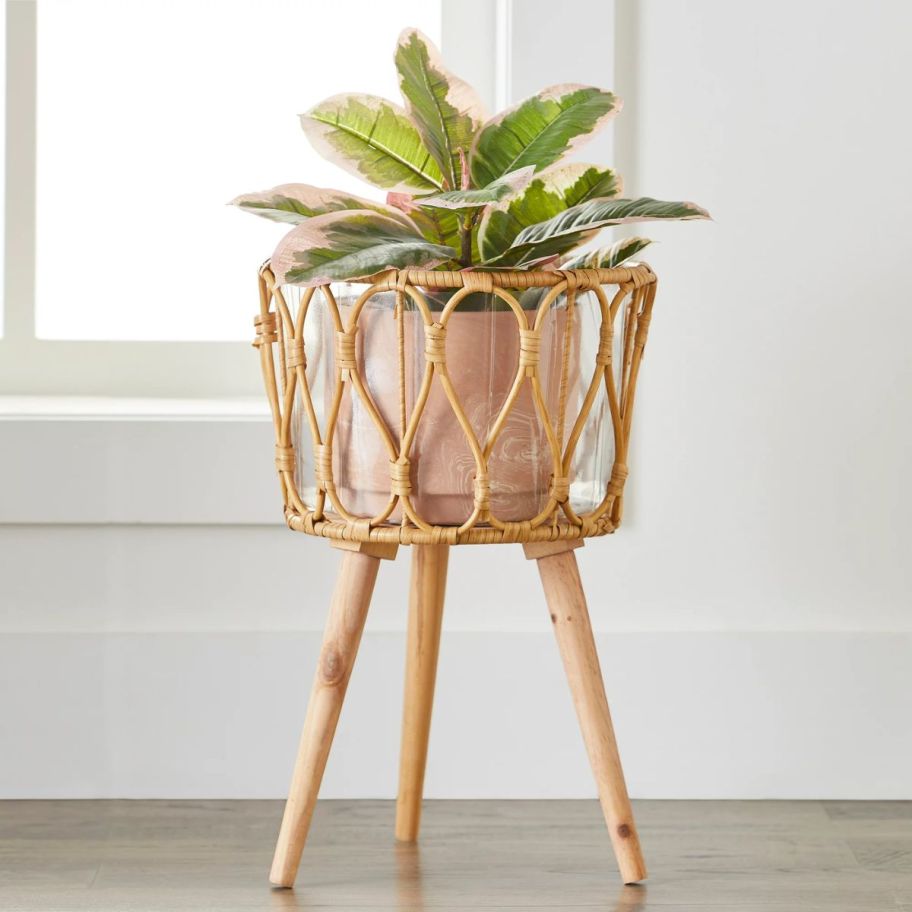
(80, 460)
(58, 408)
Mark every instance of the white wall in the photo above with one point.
(754, 613)
(775, 435)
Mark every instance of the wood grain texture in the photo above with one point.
(351, 599)
(570, 619)
(535, 550)
(380, 550)
(426, 596)
(707, 856)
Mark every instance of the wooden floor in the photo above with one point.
(479, 855)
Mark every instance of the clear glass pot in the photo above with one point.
(482, 358)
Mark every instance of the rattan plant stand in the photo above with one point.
(622, 300)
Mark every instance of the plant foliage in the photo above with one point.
(463, 191)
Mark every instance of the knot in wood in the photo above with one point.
(529, 347)
(284, 458)
(482, 492)
(294, 354)
(345, 351)
(560, 488)
(618, 477)
(332, 666)
(435, 343)
(323, 458)
(400, 477)
(265, 327)
(606, 343)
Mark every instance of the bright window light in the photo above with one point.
(151, 116)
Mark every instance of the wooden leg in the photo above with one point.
(570, 617)
(429, 568)
(351, 598)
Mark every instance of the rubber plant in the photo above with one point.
(463, 191)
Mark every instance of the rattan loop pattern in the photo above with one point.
(284, 458)
(560, 488)
(280, 341)
(482, 488)
(400, 477)
(529, 348)
(323, 465)
(294, 354)
(618, 477)
(265, 328)
(606, 344)
(346, 359)
(435, 343)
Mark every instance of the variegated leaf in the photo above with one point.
(294, 203)
(373, 139)
(484, 196)
(446, 110)
(540, 130)
(440, 226)
(565, 231)
(547, 195)
(351, 245)
(608, 257)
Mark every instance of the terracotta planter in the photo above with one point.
(482, 351)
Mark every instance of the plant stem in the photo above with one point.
(465, 233)
(466, 227)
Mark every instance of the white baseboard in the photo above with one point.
(699, 715)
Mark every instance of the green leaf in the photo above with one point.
(540, 130)
(608, 257)
(474, 199)
(446, 110)
(565, 231)
(441, 226)
(546, 196)
(373, 139)
(351, 245)
(295, 203)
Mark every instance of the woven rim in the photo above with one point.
(635, 276)
(285, 372)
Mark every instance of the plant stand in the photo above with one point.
(549, 537)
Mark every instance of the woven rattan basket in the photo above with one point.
(570, 358)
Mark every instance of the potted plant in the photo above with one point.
(469, 195)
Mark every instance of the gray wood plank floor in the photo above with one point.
(481, 855)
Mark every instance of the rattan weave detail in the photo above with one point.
(280, 341)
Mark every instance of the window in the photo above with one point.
(150, 117)
(132, 123)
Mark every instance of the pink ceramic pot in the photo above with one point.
(482, 352)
